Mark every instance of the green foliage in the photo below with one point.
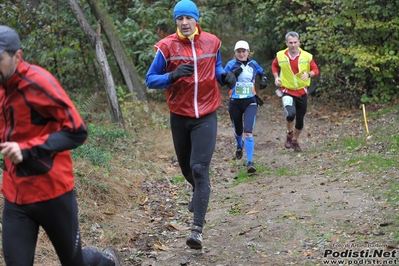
(51, 37)
(354, 42)
(138, 114)
(370, 163)
(382, 112)
(101, 145)
(283, 172)
(351, 144)
(243, 177)
(140, 28)
(178, 179)
(96, 155)
(88, 106)
(122, 94)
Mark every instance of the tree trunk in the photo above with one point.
(95, 41)
(132, 80)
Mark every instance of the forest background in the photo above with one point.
(353, 42)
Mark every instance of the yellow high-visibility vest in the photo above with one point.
(288, 79)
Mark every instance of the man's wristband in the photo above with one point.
(309, 75)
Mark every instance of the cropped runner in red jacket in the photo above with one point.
(38, 126)
(37, 114)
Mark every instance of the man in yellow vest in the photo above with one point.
(293, 69)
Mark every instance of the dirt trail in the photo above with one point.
(294, 208)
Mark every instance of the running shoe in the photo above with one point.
(239, 153)
(296, 146)
(194, 241)
(251, 168)
(288, 143)
(112, 254)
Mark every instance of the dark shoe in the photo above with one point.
(113, 255)
(295, 145)
(239, 151)
(288, 142)
(190, 205)
(251, 168)
(194, 241)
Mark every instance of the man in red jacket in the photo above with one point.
(39, 125)
(189, 66)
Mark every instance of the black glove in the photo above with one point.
(238, 71)
(259, 101)
(263, 83)
(229, 79)
(183, 70)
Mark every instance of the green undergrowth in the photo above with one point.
(376, 156)
(111, 166)
(102, 143)
(381, 112)
(178, 179)
(371, 162)
(243, 176)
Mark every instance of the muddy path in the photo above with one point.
(293, 209)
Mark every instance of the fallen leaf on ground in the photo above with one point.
(175, 226)
(161, 247)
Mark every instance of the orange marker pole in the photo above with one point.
(365, 119)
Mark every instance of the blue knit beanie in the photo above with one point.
(186, 8)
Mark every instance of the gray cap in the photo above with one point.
(9, 39)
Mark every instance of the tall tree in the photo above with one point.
(126, 66)
(95, 40)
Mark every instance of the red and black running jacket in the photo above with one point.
(37, 113)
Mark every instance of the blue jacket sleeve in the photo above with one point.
(219, 68)
(155, 78)
(227, 67)
(259, 69)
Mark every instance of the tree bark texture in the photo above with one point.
(132, 79)
(95, 41)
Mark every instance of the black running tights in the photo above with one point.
(194, 141)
